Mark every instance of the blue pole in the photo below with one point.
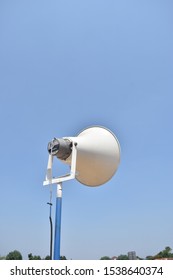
(58, 222)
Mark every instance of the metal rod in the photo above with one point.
(58, 222)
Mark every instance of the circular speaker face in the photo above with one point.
(98, 156)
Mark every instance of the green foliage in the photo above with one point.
(166, 253)
(62, 258)
(122, 257)
(31, 257)
(14, 255)
(2, 257)
(105, 258)
(149, 257)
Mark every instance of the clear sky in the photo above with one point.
(66, 65)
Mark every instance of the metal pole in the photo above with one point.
(58, 222)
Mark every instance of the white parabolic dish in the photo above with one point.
(98, 155)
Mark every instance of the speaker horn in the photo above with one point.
(98, 154)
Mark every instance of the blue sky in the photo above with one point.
(66, 65)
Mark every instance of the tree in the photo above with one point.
(31, 257)
(62, 258)
(149, 257)
(122, 257)
(14, 255)
(166, 253)
(105, 258)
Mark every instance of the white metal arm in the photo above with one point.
(49, 180)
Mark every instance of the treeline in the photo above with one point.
(16, 255)
(164, 254)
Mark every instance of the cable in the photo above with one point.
(51, 227)
(50, 219)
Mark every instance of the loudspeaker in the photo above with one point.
(98, 155)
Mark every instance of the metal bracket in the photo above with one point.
(49, 180)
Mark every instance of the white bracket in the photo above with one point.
(49, 180)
